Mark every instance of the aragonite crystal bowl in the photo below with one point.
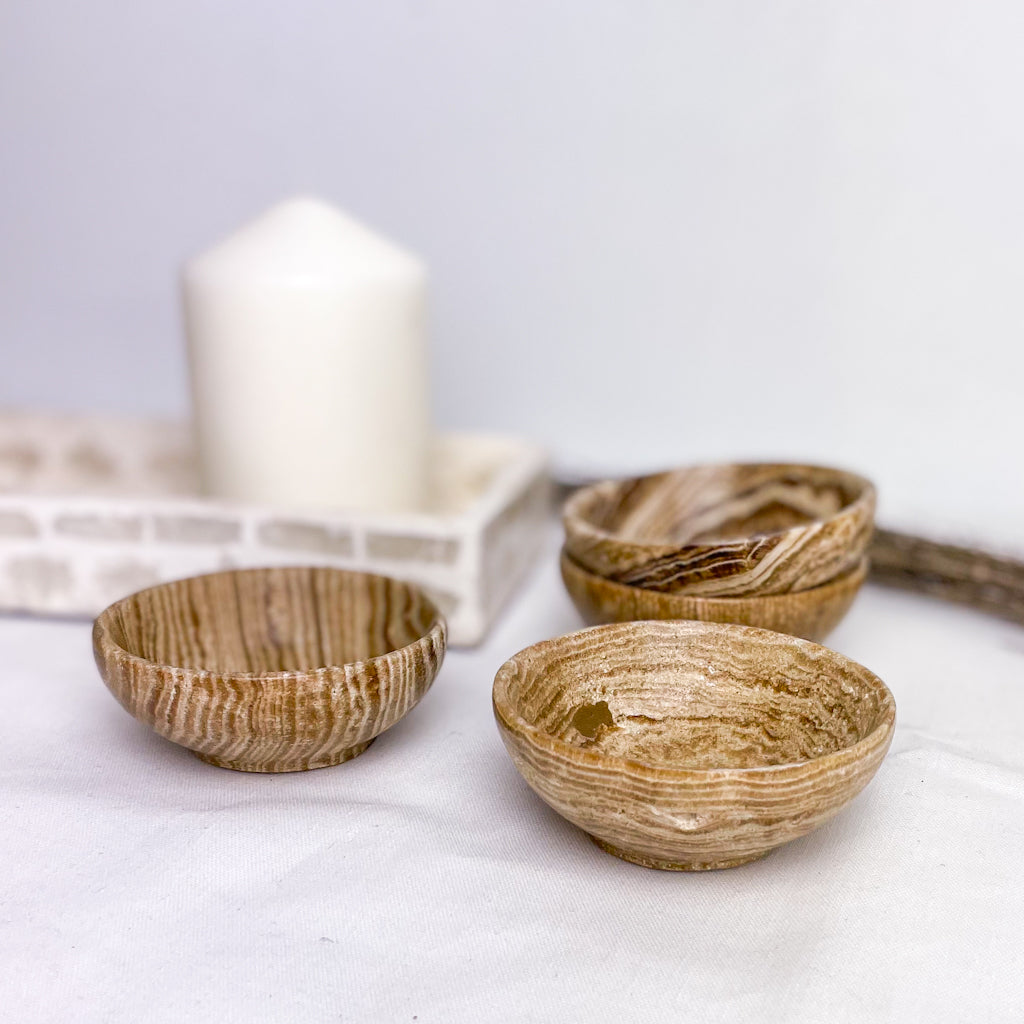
(811, 614)
(723, 530)
(271, 670)
(687, 745)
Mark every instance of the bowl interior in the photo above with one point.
(706, 504)
(694, 695)
(271, 620)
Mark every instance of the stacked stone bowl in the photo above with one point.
(776, 545)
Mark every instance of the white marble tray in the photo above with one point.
(92, 508)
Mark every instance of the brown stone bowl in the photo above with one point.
(811, 614)
(691, 745)
(723, 530)
(271, 670)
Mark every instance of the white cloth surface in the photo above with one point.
(424, 881)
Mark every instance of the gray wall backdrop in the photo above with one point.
(658, 232)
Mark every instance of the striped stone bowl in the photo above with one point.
(723, 530)
(271, 670)
(689, 745)
(811, 614)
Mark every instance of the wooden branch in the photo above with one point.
(963, 575)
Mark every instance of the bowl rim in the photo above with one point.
(104, 644)
(511, 721)
(574, 518)
(854, 576)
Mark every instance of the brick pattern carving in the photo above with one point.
(91, 510)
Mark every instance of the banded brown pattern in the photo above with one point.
(686, 745)
(811, 614)
(723, 529)
(271, 670)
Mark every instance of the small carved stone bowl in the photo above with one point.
(271, 670)
(723, 530)
(688, 745)
(811, 614)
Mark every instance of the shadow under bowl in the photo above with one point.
(811, 614)
(688, 746)
(723, 530)
(271, 670)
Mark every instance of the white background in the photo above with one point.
(658, 232)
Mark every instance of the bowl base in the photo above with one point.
(668, 865)
(284, 765)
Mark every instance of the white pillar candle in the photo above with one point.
(306, 339)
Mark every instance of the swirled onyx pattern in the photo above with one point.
(723, 530)
(689, 745)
